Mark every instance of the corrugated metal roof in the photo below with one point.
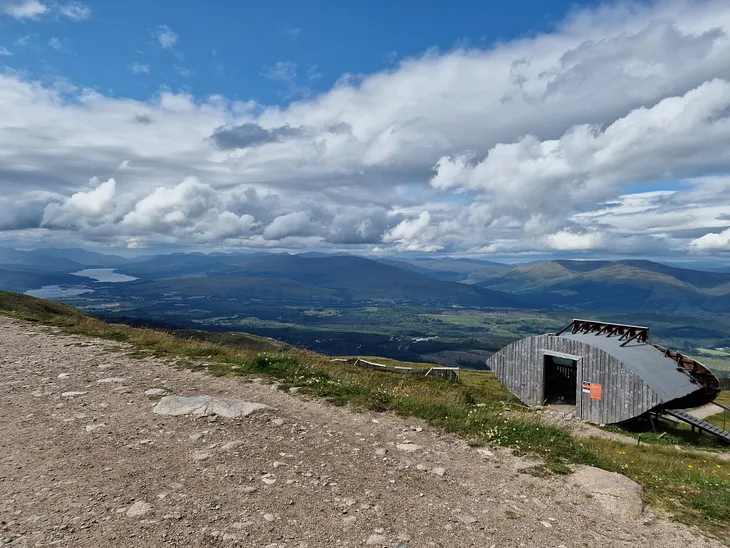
(660, 372)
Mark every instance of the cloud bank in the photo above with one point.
(610, 134)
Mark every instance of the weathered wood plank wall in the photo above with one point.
(520, 367)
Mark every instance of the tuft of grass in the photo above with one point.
(694, 488)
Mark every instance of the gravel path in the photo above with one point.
(84, 462)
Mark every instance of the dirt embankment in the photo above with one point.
(85, 462)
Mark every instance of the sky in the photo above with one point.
(526, 128)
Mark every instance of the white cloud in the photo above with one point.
(713, 241)
(282, 71)
(81, 207)
(76, 11)
(556, 142)
(55, 43)
(139, 68)
(23, 9)
(166, 37)
(5, 52)
(570, 241)
(35, 9)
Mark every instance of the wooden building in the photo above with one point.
(609, 372)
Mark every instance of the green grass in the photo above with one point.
(724, 398)
(720, 419)
(669, 433)
(694, 488)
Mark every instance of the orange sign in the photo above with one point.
(596, 391)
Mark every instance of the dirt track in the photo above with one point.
(101, 469)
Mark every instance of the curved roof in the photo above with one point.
(659, 371)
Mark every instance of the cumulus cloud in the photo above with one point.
(603, 135)
(713, 241)
(249, 134)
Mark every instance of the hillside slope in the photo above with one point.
(336, 279)
(87, 463)
(619, 285)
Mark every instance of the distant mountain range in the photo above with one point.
(616, 285)
(347, 279)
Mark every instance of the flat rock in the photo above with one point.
(438, 471)
(138, 509)
(73, 394)
(376, 540)
(617, 494)
(112, 380)
(466, 519)
(200, 456)
(231, 445)
(408, 447)
(201, 406)
(156, 392)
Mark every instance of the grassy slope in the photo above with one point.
(694, 487)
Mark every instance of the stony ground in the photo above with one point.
(84, 462)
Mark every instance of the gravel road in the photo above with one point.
(84, 462)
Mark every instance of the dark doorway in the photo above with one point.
(561, 380)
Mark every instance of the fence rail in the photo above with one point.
(447, 373)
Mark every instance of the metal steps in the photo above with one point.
(699, 423)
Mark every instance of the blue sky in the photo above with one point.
(234, 50)
(477, 129)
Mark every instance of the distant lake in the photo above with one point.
(104, 275)
(57, 292)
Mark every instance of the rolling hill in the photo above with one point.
(339, 279)
(619, 285)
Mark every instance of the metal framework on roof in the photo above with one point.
(616, 372)
(625, 333)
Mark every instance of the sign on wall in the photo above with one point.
(594, 389)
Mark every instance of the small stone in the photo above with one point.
(439, 471)
(173, 516)
(466, 518)
(269, 517)
(381, 452)
(72, 394)
(200, 456)
(349, 521)
(546, 524)
(294, 390)
(408, 447)
(138, 509)
(156, 392)
(231, 445)
(64, 375)
(278, 464)
(249, 489)
(278, 422)
(112, 380)
(484, 452)
(421, 467)
(195, 437)
(268, 479)
(92, 427)
(375, 540)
